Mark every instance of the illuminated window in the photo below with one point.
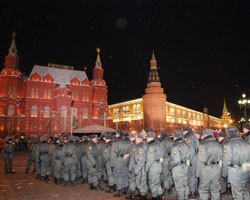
(136, 108)
(49, 94)
(189, 115)
(85, 113)
(32, 93)
(178, 113)
(63, 111)
(46, 113)
(85, 96)
(125, 109)
(37, 93)
(172, 110)
(11, 110)
(14, 92)
(33, 111)
(116, 111)
(45, 94)
(9, 91)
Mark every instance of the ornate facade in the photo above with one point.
(154, 111)
(52, 100)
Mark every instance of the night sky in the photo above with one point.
(202, 46)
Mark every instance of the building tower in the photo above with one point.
(11, 92)
(154, 100)
(100, 91)
(225, 117)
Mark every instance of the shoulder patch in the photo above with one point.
(174, 152)
(90, 148)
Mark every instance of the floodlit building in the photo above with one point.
(52, 99)
(154, 111)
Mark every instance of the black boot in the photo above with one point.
(56, 181)
(26, 171)
(130, 195)
(191, 195)
(143, 197)
(226, 192)
(118, 194)
(125, 191)
(159, 197)
(110, 190)
(91, 187)
(97, 188)
(46, 179)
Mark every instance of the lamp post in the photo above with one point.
(244, 104)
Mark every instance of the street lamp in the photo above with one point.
(244, 103)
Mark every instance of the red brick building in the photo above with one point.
(52, 99)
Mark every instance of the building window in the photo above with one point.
(46, 113)
(37, 93)
(85, 113)
(32, 93)
(45, 94)
(85, 96)
(9, 91)
(116, 111)
(63, 111)
(11, 110)
(49, 94)
(33, 111)
(14, 92)
(172, 111)
(136, 108)
(125, 109)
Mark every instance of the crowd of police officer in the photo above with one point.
(140, 164)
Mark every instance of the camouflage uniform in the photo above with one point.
(83, 155)
(106, 154)
(140, 158)
(58, 161)
(119, 161)
(70, 161)
(193, 143)
(8, 149)
(180, 156)
(209, 166)
(166, 144)
(93, 163)
(154, 165)
(42, 156)
(236, 153)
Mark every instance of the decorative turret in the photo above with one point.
(226, 119)
(154, 101)
(11, 63)
(98, 70)
(153, 79)
(100, 91)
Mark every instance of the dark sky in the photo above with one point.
(202, 46)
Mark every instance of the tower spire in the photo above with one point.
(12, 49)
(153, 74)
(98, 64)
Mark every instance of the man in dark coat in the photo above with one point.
(246, 132)
(8, 150)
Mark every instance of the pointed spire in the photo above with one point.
(98, 64)
(225, 106)
(153, 74)
(12, 49)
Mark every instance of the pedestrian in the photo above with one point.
(8, 150)
(209, 164)
(119, 162)
(223, 139)
(193, 143)
(58, 161)
(154, 165)
(43, 158)
(140, 158)
(166, 143)
(179, 164)
(106, 155)
(31, 156)
(246, 132)
(131, 175)
(70, 161)
(93, 163)
(236, 165)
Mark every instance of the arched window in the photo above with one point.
(46, 113)
(11, 110)
(32, 93)
(85, 113)
(63, 111)
(37, 93)
(45, 96)
(33, 112)
(49, 94)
